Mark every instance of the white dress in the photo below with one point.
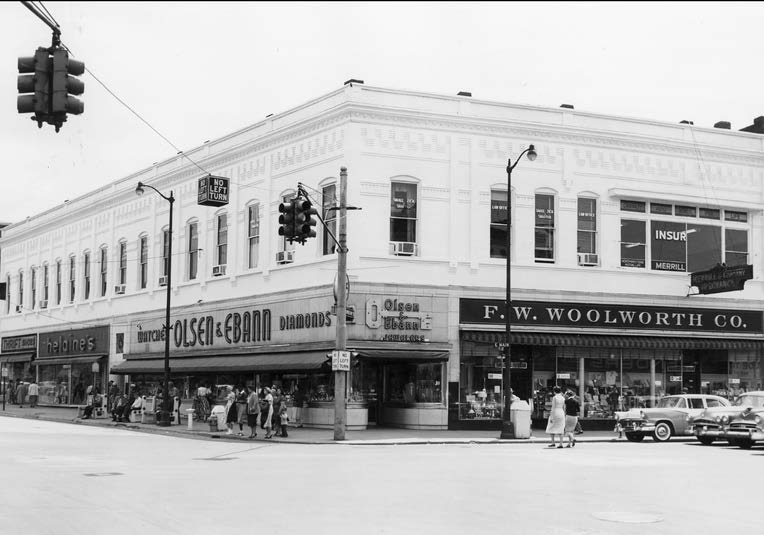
(556, 423)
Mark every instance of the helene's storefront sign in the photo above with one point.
(92, 341)
(533, 313)
(276, 323)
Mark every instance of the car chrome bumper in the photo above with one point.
(638, 428)
(750, 434)
(703, 431)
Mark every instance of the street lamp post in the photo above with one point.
(164, 417)
(507, 429)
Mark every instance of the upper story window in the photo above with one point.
(587, 230)
(499, 222)
(193, 250)
(633, 244)
(403, 212)
(222, 239)
(45, 282)
(33, 277)
(21, 290)
(329, 201)
(123, 262)
(544, 228)
(165, 252)
(253, 235)
(72, 278)
(104, 269)
(143, 260)
(735, 247)
(86, 270)
(676, 244)
(58, 282)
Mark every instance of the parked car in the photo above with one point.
(668, 418)
(747, 428)
(712, 423)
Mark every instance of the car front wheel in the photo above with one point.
(744, 443)
(635, 437)
(662, 432)
(706, 441)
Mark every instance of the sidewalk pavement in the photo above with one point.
(304, 435)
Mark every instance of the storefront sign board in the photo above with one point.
(13, 344)
(612, 316)
(721, 279)
(90, 341)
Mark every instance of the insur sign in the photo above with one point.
(213, 191)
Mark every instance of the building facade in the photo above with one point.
(606, 226)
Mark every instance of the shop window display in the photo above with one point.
(414, 383)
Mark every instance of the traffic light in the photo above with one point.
(286, 220)
(64, 85)
(304, 220)
(34, 89)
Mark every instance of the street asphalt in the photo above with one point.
(304, 435)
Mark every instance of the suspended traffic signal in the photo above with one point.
(286, 220)
(34, 89)
(64, 85)
(304, 220)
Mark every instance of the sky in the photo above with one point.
(196, 71)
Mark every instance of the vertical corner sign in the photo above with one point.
(213, 191)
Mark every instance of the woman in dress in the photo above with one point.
(241, 409)
(556, 424)
(253, 412)
(572, 409)
(267, 415)
(230, 409)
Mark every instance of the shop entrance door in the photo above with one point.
(520, 379)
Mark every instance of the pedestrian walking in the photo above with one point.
(241, 409)
(13, 388)
(21, 394)
(276, 393)
(556, 424)
(283, 419)
(34, 394)
(267, 415)
(299, 401)
(253, 412)
(572, 409)
(112, 392)
(230, 409)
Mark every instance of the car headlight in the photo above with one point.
(725, 419)
(689, 419)
(642, 414)
(758, 420)
(718, 419)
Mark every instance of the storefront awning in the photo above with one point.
(68, 360)
(308, 360)
(18, 357)
(592, 340)
(398, 355)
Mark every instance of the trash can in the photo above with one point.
(213, 421)
(520, 416)
(218, 412)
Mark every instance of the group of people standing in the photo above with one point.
(266, 408)
(17, 392)
(563, 417)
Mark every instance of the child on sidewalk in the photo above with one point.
(283, 418)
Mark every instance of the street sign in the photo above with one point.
(213, 191)
(340, 361)
(5, 371)
(563, 376)
(501, 344)
(721, 278)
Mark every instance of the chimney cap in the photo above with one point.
(464, 94)
(723, 124)
(567, 106)
(684, 121)
(353, 81)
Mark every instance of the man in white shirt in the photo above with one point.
(34, 392)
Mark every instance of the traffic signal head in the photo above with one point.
(34, 89)
(304, 220)
(286, 220)
(64, 85)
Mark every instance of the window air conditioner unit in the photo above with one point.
(218, 271)
(44, 303)
(285, 257)
(404, 248)
(163, 281)
(588, 259)
(119, 289)
(19, 308)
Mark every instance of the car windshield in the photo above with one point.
(671, 403)
(750, 401)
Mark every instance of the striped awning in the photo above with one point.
(593, 340)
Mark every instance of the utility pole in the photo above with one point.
(340, 376)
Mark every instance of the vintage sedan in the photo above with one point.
(712, 423)
(667, 419)
(747, 429)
